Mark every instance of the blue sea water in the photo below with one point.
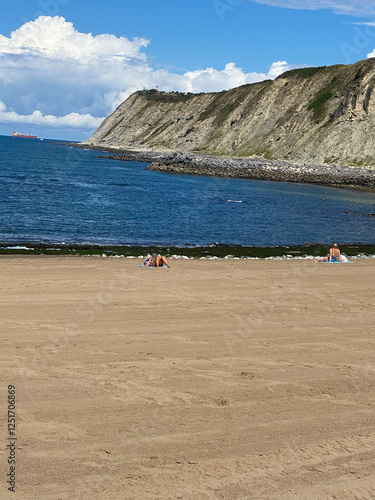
(54, 193)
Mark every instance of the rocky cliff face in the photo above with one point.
(321, 115)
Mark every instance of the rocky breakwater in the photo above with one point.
(261, 169)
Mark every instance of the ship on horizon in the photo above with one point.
(28, 136)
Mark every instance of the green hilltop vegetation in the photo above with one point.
(154, 96)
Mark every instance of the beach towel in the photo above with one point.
(154, 267)
(336, 262)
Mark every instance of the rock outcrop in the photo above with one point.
(316, 115)
(253, 168)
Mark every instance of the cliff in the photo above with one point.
(320, 115)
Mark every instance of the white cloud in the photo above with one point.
(55, 38)
(47, 65)
(74, 120)
(279, 67)
(53, 75)
(349, 7)
(210, 79)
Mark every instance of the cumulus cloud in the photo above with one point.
(350, 7)
(54, 37)
(213, 79)
(51, 74)
(74, 120)
(47, 65)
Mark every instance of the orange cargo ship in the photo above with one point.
(28, 136)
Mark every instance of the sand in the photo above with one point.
(209, 380)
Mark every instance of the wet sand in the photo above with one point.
(210, 380)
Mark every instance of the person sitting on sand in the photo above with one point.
(334, 255)
(148, 261)
(156, 260)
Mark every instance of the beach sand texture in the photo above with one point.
(210, 380)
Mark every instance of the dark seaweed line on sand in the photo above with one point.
(216, 250)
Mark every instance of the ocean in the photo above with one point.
(58, 194)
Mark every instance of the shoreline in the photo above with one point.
(194, 163)
(215, 251)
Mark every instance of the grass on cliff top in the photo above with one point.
(155, 96)
(302, 72)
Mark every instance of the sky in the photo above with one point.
(65, 65)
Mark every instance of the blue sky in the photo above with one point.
(66, 64)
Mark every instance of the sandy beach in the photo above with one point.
(210, 380)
